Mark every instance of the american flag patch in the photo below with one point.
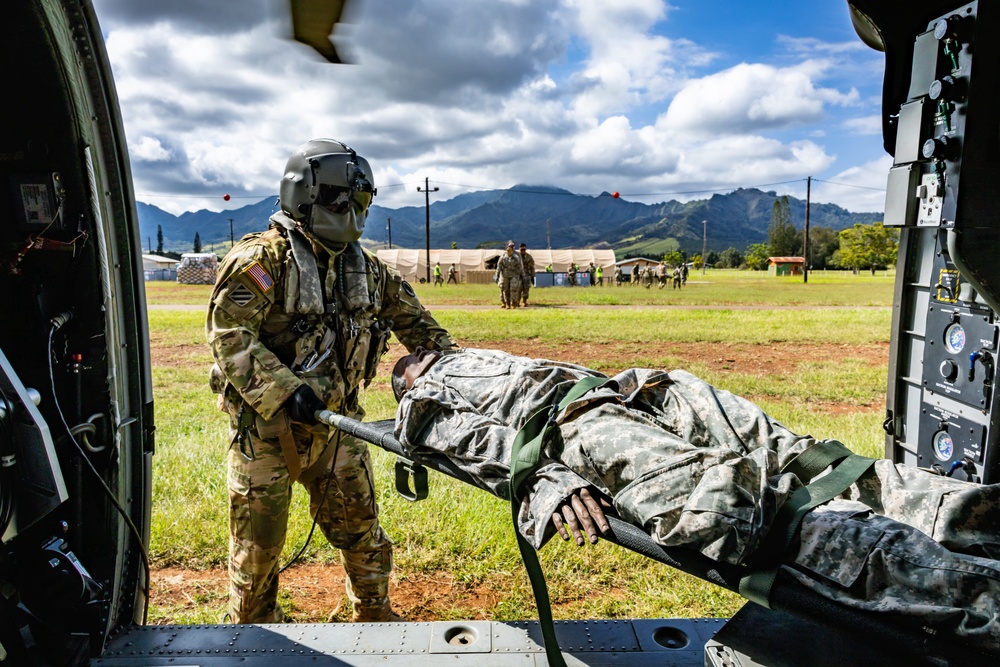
(259, 275)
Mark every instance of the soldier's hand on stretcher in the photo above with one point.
(581, 509)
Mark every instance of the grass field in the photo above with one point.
(818, 370)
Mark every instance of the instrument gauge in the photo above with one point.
(954, 338)
(944, 446)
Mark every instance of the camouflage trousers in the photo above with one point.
(510, 290)
(342, 500)
(525, 289)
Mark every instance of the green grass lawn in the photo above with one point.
(717, 287)
(466, 533)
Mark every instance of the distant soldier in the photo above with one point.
(661, 275)
(677, 278)
(684, 274)
(438, 280)
(591, 270)
(635, 275)
(452, 275)
(528, 279)
(648, 275)
(572, 274)
(618, 276)
(509, 272)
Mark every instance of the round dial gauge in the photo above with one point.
(954, 338)
(944, 446)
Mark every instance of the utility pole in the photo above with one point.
(704, 244)
(149, 242)
(427, 208)
(388, 226)
(232, 240)
(805, 235)
(548, 236)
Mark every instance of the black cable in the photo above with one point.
(326, 488)
(100, 480)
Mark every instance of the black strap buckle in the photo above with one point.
(405, 469)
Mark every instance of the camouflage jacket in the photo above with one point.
(274, 324)
(510, 267)
(648, 440)
(528, 262)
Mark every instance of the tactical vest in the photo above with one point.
(334, 323)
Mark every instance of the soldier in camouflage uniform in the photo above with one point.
(702, 469)
(661, 275)
(508, 276)
(528, 278)
(298, 320)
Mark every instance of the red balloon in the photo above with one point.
(226, 197)
(615, 195)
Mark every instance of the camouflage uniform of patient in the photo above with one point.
(271, 330)
(700, 468)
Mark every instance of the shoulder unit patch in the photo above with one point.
(259, 275)
(242, 295)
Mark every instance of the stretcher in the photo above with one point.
(788, 597)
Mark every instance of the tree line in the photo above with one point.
(859, 247)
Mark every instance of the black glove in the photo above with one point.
(303, 405)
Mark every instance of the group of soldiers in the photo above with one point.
(660, 274)
(515, 275)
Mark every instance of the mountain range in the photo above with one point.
(540, 216)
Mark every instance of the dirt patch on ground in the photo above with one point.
(314, 593)
(770, 359)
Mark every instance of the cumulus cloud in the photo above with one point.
(148, 149)
(751, 97)
(581, 94)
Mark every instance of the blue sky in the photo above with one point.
(655, 100)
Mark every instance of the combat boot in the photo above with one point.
(382, 613)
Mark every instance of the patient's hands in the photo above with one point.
(581, 509)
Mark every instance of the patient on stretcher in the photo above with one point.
(701, 468)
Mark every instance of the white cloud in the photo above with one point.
(860, 188)
(148, 149)
(478, 93)
(753, 97)
(811, 46)
(868, 125)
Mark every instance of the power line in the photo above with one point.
(850, 185)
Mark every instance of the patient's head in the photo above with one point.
(409, 368)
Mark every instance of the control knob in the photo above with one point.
(937, 148)
(949, 370)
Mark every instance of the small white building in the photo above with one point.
(150, 262)
(158, 267)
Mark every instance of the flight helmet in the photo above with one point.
(327, 188)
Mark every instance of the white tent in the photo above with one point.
(412, 264)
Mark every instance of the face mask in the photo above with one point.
(346, 227)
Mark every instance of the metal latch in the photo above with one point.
(405, 469)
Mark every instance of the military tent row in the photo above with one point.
(412, 264)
